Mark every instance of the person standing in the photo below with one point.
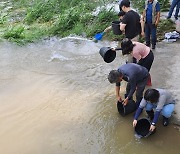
(151, 17)
(175, 3)
(135, 75)
(159, 99)
(131, 21)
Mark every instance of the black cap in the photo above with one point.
(125, 3)
(121, 13)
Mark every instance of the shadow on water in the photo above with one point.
(55, 98)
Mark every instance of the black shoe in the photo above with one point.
(165, 121)
(168, 17)
(147, 44)
(176, 18)
(153, 46)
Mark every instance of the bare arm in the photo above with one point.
(118, 93)
(122, 26)
(108, 29)
(157, 18)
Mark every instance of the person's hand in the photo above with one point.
(113, 48)
(125, 101)
(119, 99)
(156, 24)
(152, 128)
(142, 34)
(134, 123)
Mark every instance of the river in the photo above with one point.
(55, 99)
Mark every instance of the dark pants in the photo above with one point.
(175, 3)
(139, 90)
(147, 61)
(150, 30)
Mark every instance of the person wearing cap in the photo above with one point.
(159, 100)
(131, 22)
(120, 15)
(151, 17)
(135, 75)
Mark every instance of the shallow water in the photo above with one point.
(55, 99)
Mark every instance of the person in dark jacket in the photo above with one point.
(159, 99)
(135, 75)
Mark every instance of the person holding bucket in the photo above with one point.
(141, 53)
(135, 75)
(131, 22)
(120, 15)
(159, 99)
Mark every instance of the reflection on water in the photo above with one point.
(55, 98)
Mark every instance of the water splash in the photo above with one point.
(57, 56)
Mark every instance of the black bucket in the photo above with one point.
(142, 127)
(108, 54)
(116, 28)
(127, 109)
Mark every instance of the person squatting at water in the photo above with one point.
(131, 22)
(151, 17)
(135, 75)
(159, 99)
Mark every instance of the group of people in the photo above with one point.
(136, 72)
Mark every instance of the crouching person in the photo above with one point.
(159, 99)
(135, 75)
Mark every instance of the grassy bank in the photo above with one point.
(25, 21)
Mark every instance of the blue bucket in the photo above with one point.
(99, 36)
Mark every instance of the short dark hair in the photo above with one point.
(114, 75)
(121, 13)
(152, 95)
(125, 3)
(127, 46)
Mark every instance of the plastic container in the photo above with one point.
(142, 127)
(108, 54)
(127, 109)
(116, 28)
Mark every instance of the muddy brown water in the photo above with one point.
(55, 99)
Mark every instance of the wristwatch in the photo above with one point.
(153, 124)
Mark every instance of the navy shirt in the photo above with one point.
(149, 11)
(133, 73)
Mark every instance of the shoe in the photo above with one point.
(153, 46)
(148, 45)
(176, 18)
(165, 121)
(168, 17)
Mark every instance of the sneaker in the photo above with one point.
(153, 46)
(176, 18)
(165, 121)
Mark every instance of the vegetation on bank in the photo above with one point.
(24, 21)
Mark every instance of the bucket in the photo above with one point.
(127, 109)
(108, 54)
(116, 28)
(142, 127)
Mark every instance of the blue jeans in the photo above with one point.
(175, 3)
(166, 111)
(150, 29)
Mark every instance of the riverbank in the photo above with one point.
(165, 72)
